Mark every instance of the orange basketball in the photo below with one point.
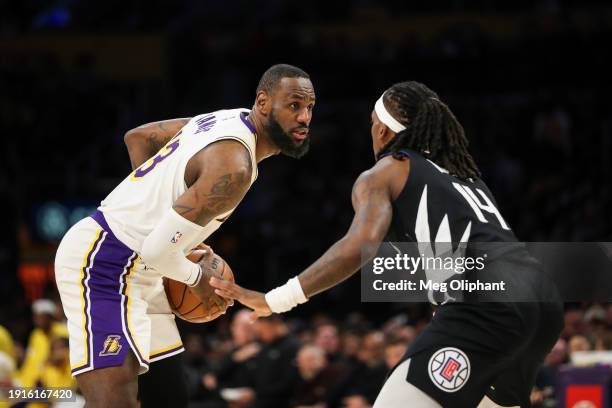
(186, 304)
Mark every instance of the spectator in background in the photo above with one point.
(574, 323)
(234, 370)
(351, 343)
(327, 338)
(369, 376)
(578, 343)
(39, 344)
(603, 341)
(7, 371)
(56, 372)
(544, 389)
(6, 343)
(315, 378)
(395, 349)
(196, 365)
(595, 318)
(274, 374)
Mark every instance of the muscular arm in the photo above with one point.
(373, 194)
(223, 176)
(372, 203)
(146, 140)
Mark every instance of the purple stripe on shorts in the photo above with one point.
(107, 289)
(98, 217)
(87, 291)
(124, 285)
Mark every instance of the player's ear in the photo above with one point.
(384, 134)
(263, 102)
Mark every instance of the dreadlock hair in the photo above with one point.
(431, 129)
(275, 73)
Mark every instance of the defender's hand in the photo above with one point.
(250, 298)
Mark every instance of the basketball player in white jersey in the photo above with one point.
(109, 266)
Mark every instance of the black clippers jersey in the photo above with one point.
(435, 206)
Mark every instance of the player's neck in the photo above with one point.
(265, 147)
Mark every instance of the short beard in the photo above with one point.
(284, 141)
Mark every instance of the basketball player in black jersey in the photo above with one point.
(472, 354)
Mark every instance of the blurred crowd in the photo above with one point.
(529, 81)
(289, 361)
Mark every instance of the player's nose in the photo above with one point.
(304, 117)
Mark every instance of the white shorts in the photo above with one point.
(112, 302)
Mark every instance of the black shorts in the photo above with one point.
(470, 350)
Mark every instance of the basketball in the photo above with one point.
(186, 304)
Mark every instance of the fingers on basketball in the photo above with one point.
(187, 306)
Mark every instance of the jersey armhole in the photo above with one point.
(220, 139)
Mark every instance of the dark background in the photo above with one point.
(529, 81)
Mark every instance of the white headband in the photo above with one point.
(385, 117)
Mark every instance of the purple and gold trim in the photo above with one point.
(243, 118)
(166, 352)
(125, 306)
(107, 302)
(86, 303)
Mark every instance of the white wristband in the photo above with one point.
(286, 297)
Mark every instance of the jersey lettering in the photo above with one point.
(154, 161)
(479, 205)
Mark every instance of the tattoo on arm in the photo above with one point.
(158, 139)
(223, 193)
(145, 141)
(222, 175)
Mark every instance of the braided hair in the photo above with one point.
(431, 129)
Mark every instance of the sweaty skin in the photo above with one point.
(373, 194)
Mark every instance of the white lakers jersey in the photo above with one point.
(136, 205)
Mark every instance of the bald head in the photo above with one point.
(242, 328)
(311, 360)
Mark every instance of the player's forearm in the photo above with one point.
(338, 263)
(165, 247)
(145, 141)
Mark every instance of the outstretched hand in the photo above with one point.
(250, 298)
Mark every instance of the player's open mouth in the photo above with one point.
(300, 134)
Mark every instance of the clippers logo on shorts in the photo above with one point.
(176, 237)
(111, 346)
(449, 369)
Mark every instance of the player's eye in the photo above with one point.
(311, 107)
(294, 105)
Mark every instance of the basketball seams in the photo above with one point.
(203, 311)
(182, 298)
(191, 310)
